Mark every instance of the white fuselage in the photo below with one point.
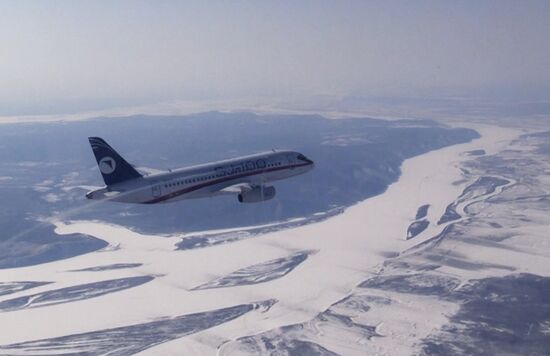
(206, 180)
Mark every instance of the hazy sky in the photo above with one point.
(155, 50)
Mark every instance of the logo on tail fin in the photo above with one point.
(107, 165)
(114, 169)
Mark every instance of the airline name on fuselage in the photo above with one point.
(241, 167)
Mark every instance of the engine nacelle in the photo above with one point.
(257, 194)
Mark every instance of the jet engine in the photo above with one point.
(257, 194)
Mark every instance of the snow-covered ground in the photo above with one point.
(259, 285)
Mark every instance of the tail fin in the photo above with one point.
(113, 167)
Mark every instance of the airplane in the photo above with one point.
(248, 177)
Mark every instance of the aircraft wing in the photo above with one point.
(236, 188)
(146, 171)
(250, 193)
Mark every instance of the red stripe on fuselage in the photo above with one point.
(217, 181)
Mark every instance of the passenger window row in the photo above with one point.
(187, 181)
(200, 179)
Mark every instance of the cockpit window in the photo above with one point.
(301, 157)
